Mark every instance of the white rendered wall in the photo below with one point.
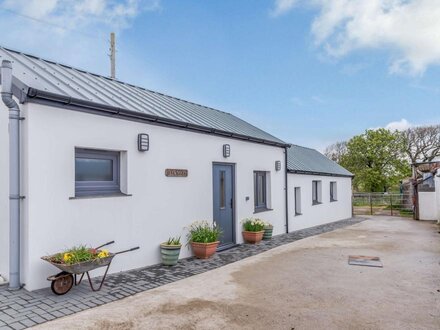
(437, 194)
(427, 205)
(159, 206)
(313, 215)
(4, 191)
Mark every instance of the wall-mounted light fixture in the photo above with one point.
(143, 142)
(226, 150)
(278, 165)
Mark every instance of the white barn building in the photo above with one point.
(96, 159)
(85, 178)
(319, 190)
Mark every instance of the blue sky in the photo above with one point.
(287, 66)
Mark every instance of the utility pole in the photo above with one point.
(112, 55)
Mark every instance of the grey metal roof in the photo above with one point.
(41, 79)
(307, 160)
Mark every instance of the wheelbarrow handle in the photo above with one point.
(108, 243)
(129, 250)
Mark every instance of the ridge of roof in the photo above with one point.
(297, 145)
(93, 90)
(111, 79)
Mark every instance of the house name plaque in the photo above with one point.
(174, 172)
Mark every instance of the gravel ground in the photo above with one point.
(307, 284)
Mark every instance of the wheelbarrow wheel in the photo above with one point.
(62, 284)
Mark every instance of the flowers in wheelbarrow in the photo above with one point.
(103, 254)
(79, 254)
(67, 257)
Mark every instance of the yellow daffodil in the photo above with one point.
(103, 254)
(67, 257)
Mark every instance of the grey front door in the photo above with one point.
(223, 194)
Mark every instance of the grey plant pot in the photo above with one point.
(170, 254)
(267, 233)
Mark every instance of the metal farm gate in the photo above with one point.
(383, 204)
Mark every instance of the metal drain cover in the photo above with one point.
(364, 261)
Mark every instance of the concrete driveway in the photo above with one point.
(307, 284)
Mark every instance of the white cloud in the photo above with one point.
(408, 29)
(74, 32)
(400, 125)
(77, 14)
(283, 6)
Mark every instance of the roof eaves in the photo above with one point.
(38, 96)
(320, 173)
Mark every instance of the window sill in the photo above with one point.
(333, 200)
(298, 214)
(316, 203)
(262, 210)
(101, 196)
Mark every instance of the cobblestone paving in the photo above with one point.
(22, 309)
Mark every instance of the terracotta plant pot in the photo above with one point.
(170, 254)
(204, 250)
(253, 237)
(267, 233)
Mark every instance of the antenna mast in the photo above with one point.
(112, 55)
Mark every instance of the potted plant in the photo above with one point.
(170, 251)
(204, 238)
(253, 230)
(268, 229)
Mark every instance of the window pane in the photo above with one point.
(260, 189)
(297, 200)
(314, 191)
(222, 189)
(333, 191)
(91, 169)
(261, 198)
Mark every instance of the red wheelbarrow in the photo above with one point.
(64, 281)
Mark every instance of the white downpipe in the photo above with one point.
(14, 175)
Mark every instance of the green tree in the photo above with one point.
(377, 159)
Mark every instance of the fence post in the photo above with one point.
(391, 203)
(371, 205)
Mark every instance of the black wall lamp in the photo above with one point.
(143, 142)
(226, 150)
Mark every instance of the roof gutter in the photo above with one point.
(14, 175)
(38, 96)
(320, 173)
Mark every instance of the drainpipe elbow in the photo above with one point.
(9, 101)
(6, 82)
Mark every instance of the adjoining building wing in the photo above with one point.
(319, 190)
(310, 161)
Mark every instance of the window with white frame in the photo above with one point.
(333, 191)
(97, 172)
(316, 192)
(297, 196)
(260, 190)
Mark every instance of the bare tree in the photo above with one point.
(336, 151)
(422, 144)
